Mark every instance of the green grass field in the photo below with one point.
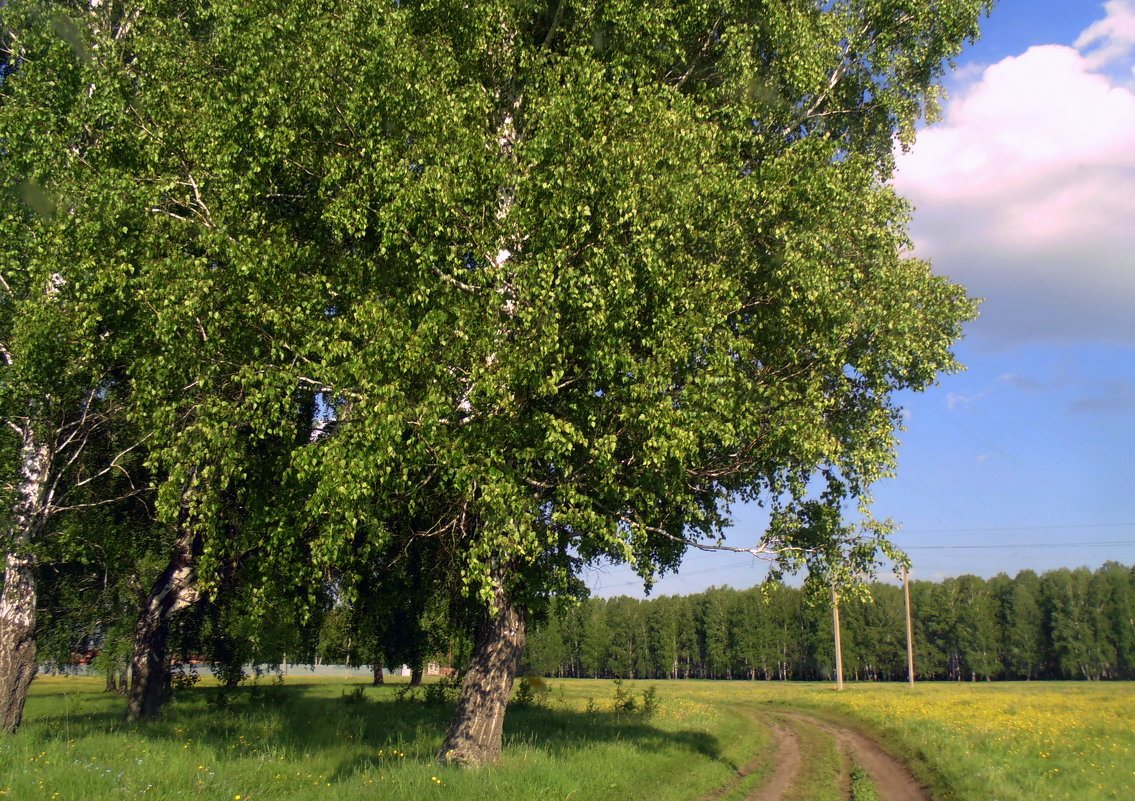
(321, 739)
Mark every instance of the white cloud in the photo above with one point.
(1112, 39)
(1026, 192)
(956, 400)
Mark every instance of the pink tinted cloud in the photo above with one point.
(1111, 39)
(1029, 119)
(1026, 193)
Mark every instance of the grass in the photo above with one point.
(330, 739)
(820, 765)
(861, 787)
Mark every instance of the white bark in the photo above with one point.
(18, 600)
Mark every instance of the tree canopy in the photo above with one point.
(562, 281)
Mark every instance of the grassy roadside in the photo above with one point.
(332, 739)
(329, 739)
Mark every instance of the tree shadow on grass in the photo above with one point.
(558, 732)
(562, 730)
(299, 720)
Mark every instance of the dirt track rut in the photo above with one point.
(892, 779)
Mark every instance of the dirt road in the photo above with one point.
(892, 780)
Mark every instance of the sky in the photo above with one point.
(1024, 192)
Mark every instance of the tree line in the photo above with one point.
(418, 308)
(1062, 624)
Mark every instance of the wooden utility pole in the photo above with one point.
(909, 630)
(838, 646)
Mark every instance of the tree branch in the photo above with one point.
(767, 551)
(114, 465)
(555, 24)
(53, 508)
(709, 39)
(449, 279)
(837, 75)
(328, 389)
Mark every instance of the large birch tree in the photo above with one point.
(570, 279)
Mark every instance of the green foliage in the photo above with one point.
(650, 701)
(443, 691)
(407, 692)
(182, 679)
(622, 700)
(525, 693)
(861, 787)
(534, 288)
(354, 696)
(569, 284)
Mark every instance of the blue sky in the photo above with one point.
(1024, 193)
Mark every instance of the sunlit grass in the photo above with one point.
(979, 741)
(308, 739)
(317, 739)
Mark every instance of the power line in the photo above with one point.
(1012, 528)
(1019, 545)
(736, 565)
(1101, 544)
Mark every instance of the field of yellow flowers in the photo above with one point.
(332, 740)
(990, 741)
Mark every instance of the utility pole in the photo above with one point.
(838, 646)
(909, 629)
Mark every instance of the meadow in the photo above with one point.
(311, 738)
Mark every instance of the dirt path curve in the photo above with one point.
(892, 779)
(785, 758)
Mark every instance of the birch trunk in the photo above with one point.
(476, 730)
(18, 601)
(172, 591)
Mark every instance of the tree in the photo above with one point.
(546, 653)
(573, 277)
(596, 639)
(1118, 613)
(978, 633)
(64, 326)
(663, 635)
(713, 622)
(156, 256)
(1024, 627)
(1067, 602)
(933, 654)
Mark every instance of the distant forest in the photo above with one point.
(1063, 624)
